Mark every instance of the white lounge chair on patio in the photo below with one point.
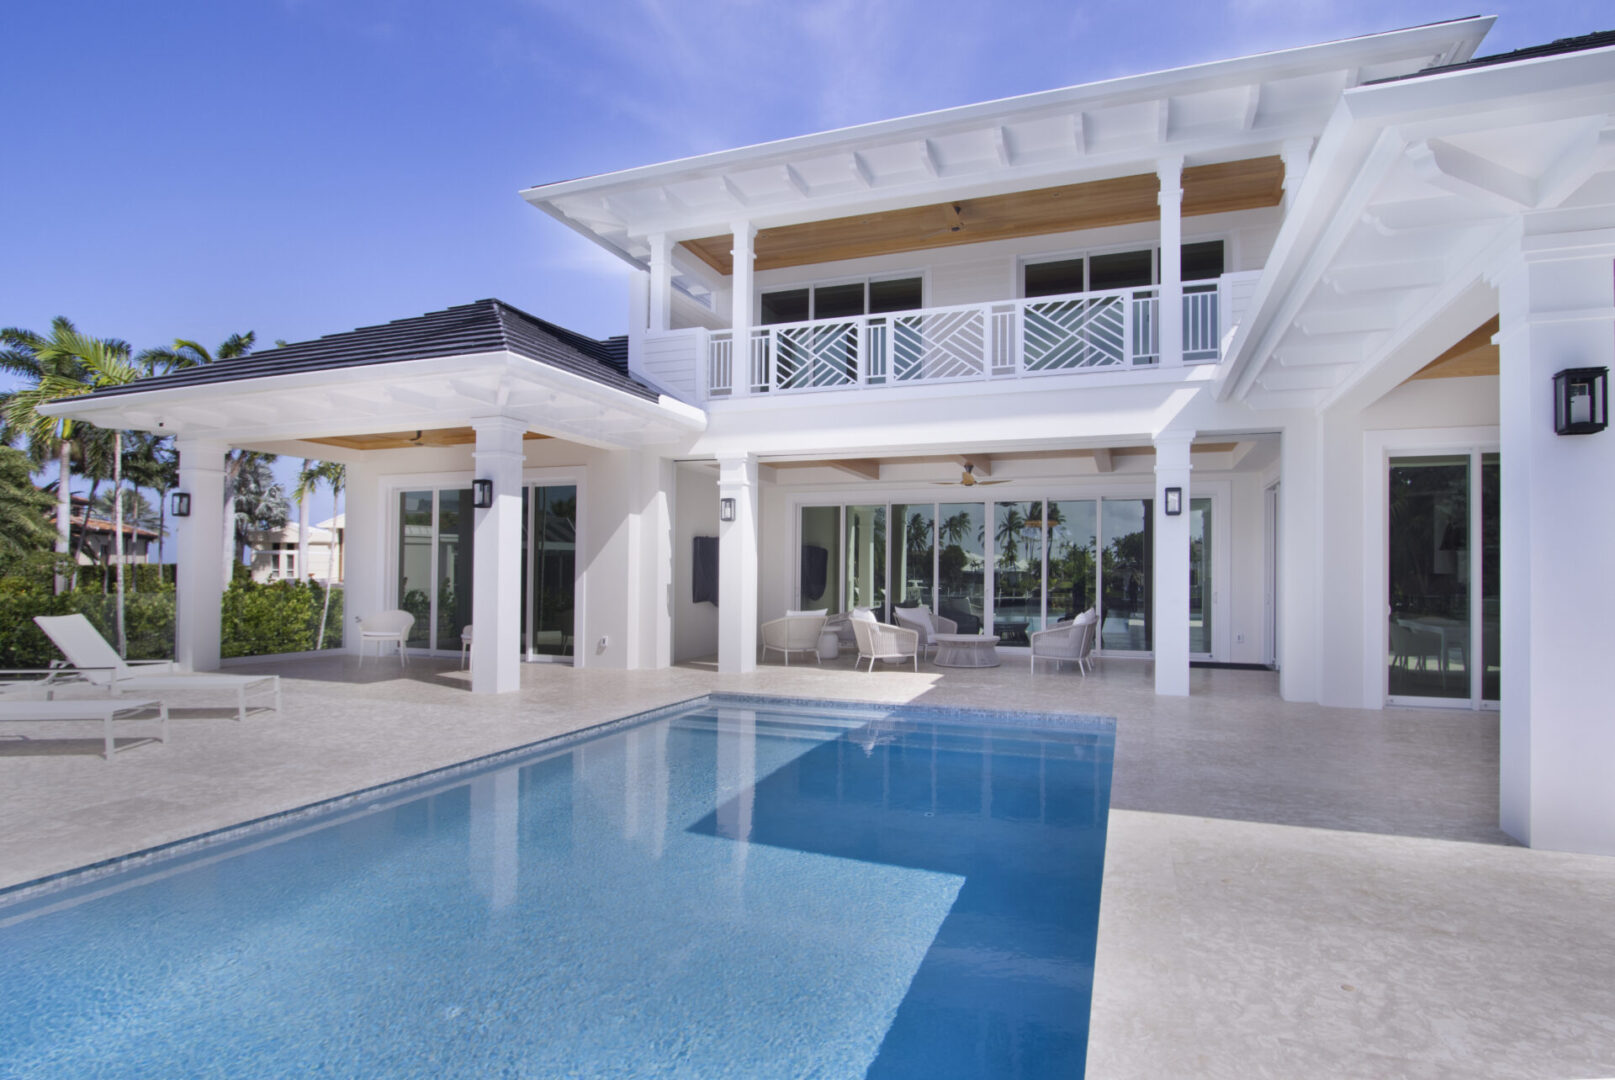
(100, 665)
(14, 706)
(798, 631)
(882, 641)
(384, 627)
(923, 621)
(1071, 641)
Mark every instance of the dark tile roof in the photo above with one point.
(1582, 43)
(483, 326)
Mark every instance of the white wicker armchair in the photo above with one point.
(923, 621)
(1072, 641)
(793, 633)
(882, 641)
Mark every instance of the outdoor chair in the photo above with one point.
(925, 623)
(796, 632)
(386, 627)
(1069, 641)
(882, 641)
(100, 665)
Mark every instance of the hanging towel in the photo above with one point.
(815, 570)
(704, 571)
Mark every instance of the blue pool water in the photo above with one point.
(733, 889)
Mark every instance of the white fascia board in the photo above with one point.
(1453, 41)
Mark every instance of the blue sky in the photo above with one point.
(301, 167)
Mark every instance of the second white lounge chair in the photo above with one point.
(106, 710)
(101, 665)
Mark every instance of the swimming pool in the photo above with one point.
(735, 887)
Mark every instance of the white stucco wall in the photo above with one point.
(695, 626)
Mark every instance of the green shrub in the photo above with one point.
(261, 619)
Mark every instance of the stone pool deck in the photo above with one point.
(1289, 891)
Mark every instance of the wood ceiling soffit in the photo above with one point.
(1249, 184)
(400, 440)
(1473, 355)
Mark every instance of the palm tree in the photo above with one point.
(24, 509)
(23, 353)
(259, 499)
(105, 362)
(151, 462)
(336, 474)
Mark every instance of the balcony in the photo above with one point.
(1053, 335)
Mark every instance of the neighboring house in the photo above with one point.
(100, 543)
(1256, 356)
(275, 552)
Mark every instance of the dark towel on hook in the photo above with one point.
(704, 571)
(815, 570)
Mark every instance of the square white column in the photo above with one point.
(742, 302)
(1171, 579)
(496, 593)
(661, 282)
(1556, 733)
(1170, 171)
(737, 566)
(1299, 559)
(200, 549)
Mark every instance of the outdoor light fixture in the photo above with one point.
(179, 504)
(482, 494)
(1581, 400)
(1174, 502)
(726, 509)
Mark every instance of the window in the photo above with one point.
(1057, 277)
(845, 300)
(1200, 261)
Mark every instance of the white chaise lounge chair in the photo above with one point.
(106, 710)
(101, 665)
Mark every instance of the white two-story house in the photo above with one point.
(1257, 358)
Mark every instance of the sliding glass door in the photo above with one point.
(435, 556)
(1008, 568)
(1442, 634)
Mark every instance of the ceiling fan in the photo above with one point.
(968, 478)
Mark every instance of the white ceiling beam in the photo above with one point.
(1298, 379)
(1079, 133)
(1452, 168)
(1001, 146)
(928, 159)
(796, 180)
(860, 169)
(1377, 277)
(1589, 153)
(983, 465)
(1343, 353)
(732, 189)
(862, 469)
(419, 399)
(1102, 460)
(1241, 450)
(1253, 104)
(353, 404)
(1163, 119)
(484, 395)
(1346, 321)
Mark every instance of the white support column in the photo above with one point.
(1300, 558)
(1296, 155)
(1556, 739)
(742, 302)
(496, 594)
(1170, 171)
(1171, 556)
(737, 566)
(661, 282)
(200, 549)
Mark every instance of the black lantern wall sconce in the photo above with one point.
(1174, 501)
(482, 494)
(179, 504)
(726, 509)
(1581, 400)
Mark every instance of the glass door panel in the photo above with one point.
(961, 564)
(821, 559)
(415, 563)
(1491, 650)
(1200, 576)
(1017, 570)
(1127, 544)
(1073, 534)
(866, 558)
(552, 557)
(914, 555)
(1429, 633)
(454, 548)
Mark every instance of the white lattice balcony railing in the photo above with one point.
(1051, 335)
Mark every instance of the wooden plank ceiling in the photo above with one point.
(1207, 189)
(1473, 355)
(399, 440)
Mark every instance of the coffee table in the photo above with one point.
(965, 650)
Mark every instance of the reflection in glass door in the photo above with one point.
(1128, 549)
(1017, 570)
(415, 549)
(866, 559)
(1429, 577)
(961, 564)
(1491, 627)
(549, 568)
(1200, 577)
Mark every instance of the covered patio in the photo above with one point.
(1289, 889)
